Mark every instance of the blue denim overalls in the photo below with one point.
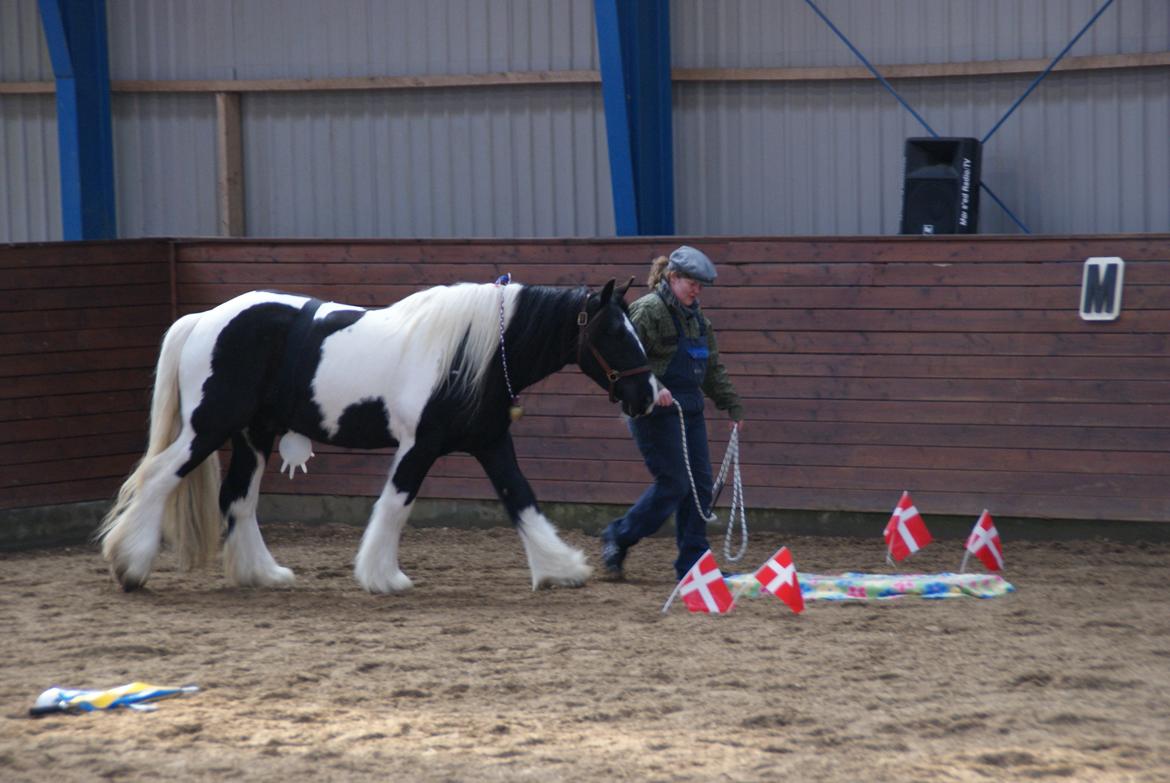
(657, 436)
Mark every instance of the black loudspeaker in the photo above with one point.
(940, 192)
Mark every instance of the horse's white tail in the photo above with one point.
(191, 519)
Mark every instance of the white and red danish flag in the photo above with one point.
(703, 588)
(984, 543)
(778, 577)
(905, 533)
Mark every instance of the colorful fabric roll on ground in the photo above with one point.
(134, 695)
(881, 587)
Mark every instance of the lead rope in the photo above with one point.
(730, 462)
(514, 411)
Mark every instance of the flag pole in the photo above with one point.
(967, 545)
(890, 543)
(670, 600)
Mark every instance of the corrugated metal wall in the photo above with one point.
(1087, 153)
(786, 33)
(30, 193)
(521, 161)
(513, 161)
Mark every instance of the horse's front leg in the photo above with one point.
(551, 561)
(246, 559)
(376, 566)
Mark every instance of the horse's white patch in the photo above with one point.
(376, 565)
(402, 377)
(133, 543)
(655, 387)
(551, 560)
(415, 342)
(633, 333)
(246, 560)
(328, 308)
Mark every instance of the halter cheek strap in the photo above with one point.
(612, 375)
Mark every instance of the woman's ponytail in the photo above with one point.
(657, 271)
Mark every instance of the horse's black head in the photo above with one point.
(610, 352)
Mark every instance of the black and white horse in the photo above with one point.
(430, 375)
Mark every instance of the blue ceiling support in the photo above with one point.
(633, 39)
(1047, 70)
(76, 34)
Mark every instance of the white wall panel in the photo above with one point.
(30, 190)
(518, 161)
(30, 193)
(24, 56)
(267, 39)
(164, 158)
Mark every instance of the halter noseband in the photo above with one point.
(611, 374)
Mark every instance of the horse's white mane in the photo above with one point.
(440, 318)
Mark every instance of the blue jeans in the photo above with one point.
(658, 438)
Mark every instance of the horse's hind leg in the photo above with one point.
(376, 566)
(131, 541)
(551, 561)
(246, 560)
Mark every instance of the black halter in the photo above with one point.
(583, 340)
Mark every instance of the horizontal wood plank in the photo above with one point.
(84, 381)
(73, 297)
(22, 323)
(49, 255)
(145, 335)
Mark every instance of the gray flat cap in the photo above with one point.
(693, 263)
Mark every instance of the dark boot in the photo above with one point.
(613, 555)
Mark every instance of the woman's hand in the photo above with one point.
(738, 425)
(664, 397)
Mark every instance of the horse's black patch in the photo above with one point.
(246, 364)
(364, 425)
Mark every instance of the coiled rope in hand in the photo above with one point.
(730, 463)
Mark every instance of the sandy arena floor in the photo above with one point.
(471, 676)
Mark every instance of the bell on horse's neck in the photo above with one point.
(515, 411)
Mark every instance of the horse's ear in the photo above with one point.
(607, 293)
(621, 289)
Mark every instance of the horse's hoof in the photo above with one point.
(549, 582)
(395, 583)
(282, 576)
(278, 576)
(129, 584)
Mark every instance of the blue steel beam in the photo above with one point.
(75, 31)
(633, 39)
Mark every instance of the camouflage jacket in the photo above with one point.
(651, 318)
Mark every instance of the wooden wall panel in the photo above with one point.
(80, 325)
(957, 368)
